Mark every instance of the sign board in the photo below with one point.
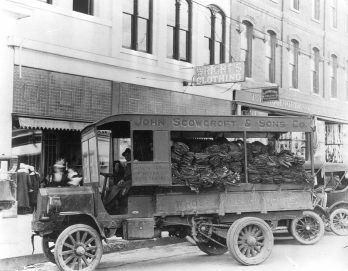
(219, 73)
(270, 94)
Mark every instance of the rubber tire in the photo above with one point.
(65, 235)
(46, 250)
(289, 227)
(212, 248)
(298, 238)
(332, 216)
(232, 240)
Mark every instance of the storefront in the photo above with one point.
(331, 137)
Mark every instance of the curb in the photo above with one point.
(19, 263)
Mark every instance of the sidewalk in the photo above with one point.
(15, 237)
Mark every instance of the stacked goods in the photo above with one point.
(222, 165)
(216, 165)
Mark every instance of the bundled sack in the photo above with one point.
(180, 148)
(214, 149)
(176, 158)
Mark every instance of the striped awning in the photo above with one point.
(33, 123)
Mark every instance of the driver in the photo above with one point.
(125, 182)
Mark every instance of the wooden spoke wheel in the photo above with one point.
(339, 221)
(212, 248)
(307, 229)
(250, 240)
(78, 247)
(48, 248)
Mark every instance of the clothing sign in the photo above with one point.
(219, 73)
(270, 94)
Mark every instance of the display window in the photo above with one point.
(334, 143)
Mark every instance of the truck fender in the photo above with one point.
(339, 204)
(100, 228)
(321, 211)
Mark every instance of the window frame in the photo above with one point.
(333, 13)
(90, 7)
(177, 31)
(295, 5)
(272, 43)
(315, 70)
(295, 45)
(333, 76)
(249, 28)
(316, 10)
(213, 11)
(135, 30)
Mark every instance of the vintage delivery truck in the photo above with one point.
(227, 181)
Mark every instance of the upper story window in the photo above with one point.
(214, 36)
(247, 47)
(295, 4)
(316, 9)
(46, 1)
(294, 64)
(271, 56)
(333, 13)
(83, 6)
(315, 70)
(179, 30)
(333, 76)
(136, 29)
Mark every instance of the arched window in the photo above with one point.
(271, 56)
(247, 47)
(315, 71)
(214, 36)
(179, 30)
(333, 76)
(136, 28)
(293, 61)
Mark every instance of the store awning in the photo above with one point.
(31, 123)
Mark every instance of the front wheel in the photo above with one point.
(339, 221)
(78, 247)
(250, 240)
(48, 248)
(307, 229)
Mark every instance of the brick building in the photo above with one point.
(71, 62)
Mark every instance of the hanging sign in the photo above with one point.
(270, 94)
(219, 73)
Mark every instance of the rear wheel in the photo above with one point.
(78, 247)
(48, 246)
(307, 229)
(250, 240)
(339, 221)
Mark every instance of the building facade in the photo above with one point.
(71, 62)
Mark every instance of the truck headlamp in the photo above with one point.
(54, 203)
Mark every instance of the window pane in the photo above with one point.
(171, 12)
(143, 145)
(268, 69)
(128, 6)
(82, 6)
(218, 27)
(127, 31)
(217, 53)
(206, 53)
(183, 45)
(184, 15)
(142, 35)
(170, 42)
(144, 8)
(207, 23)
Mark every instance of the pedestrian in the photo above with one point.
(23, 189)
(35, 183)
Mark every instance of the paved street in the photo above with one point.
(330, 253)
